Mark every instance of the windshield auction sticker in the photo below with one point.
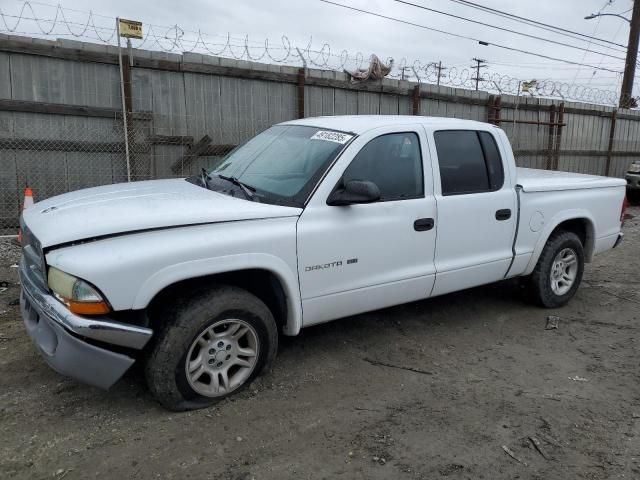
(330, 136)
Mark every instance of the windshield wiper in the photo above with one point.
(246, 189)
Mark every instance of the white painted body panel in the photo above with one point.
(152, 234)
(395, 263)
(473, 247)
(125, 207)
(131, 269)
(600, 206)
(533, 180)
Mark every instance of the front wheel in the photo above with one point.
(210, 345)
(559, 270)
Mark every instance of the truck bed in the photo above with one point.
(533, 180)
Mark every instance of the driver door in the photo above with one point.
(363, 257)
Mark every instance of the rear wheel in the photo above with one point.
(211, 345)
(559, 270)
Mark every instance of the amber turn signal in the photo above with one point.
(87, 308)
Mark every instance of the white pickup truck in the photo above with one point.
(309, 221)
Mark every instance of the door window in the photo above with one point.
(469, 162)
(393, 162)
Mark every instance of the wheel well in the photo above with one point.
(262, 283)
(583, 228)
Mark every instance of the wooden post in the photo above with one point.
(612, 132)
(301, 81)
(558, 137)
(416, 99)
(550, 143)
(493, 114)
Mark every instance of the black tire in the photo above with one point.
(182, 323)
(540, 280)
(633, 196)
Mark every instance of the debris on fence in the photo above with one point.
(552, 323)
(376, 71)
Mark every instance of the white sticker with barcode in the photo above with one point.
(330, 136)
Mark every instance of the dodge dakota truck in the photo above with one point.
(309, 221)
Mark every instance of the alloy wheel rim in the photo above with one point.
(564, 270)
(222, 357)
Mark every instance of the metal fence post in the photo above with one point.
(124, 104)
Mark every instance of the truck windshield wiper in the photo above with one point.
(246, 189)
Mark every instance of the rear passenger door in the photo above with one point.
(476, 209)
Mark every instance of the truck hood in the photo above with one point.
(128, 207)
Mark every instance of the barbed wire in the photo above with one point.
(174, 39)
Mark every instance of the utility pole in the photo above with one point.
(626, 94)
(480, 63)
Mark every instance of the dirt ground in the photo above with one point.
(448, 387)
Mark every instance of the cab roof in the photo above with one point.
(359, 124)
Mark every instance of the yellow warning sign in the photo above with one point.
(130, 28)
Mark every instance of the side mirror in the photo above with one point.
(354, 191)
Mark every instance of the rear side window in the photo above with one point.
(469, 162)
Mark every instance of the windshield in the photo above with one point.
(284, 162)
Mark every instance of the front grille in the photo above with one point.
(29, 314)
(33, 257)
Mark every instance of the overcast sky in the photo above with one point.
(356, 32)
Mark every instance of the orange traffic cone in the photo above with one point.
(28, 198)
(28, 202)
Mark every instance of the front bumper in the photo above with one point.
(59, 336)
(633, 181)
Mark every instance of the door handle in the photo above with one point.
(504, 214)
(423, 224)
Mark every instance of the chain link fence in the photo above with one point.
(54, 155)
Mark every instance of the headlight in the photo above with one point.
(634, 168)
(79, 296)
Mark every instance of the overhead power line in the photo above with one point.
(529, 21)
(535, 37)
(465, 37)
